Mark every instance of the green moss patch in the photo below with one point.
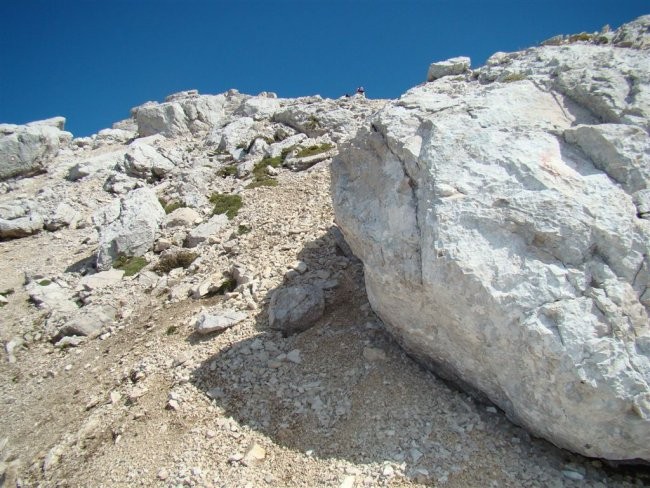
(130, 265)
(261, 177)
(229, 170)
(243, 229)
(226, 204)
(313, 150)
(513, 77)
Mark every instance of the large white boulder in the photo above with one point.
(501, 241)
(181, 114)
(449, 67)
(127, 226)
(143, 161)
(26, 149)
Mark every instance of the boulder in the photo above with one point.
(64, 215)
(206, 323)
(26, 149)
(102, 279)
(295, 309)
(98, 163)
(21, 226)
(127, 226)
(208, 229)
(501, 242)
(89, 321)
(51, 296)
(237, 137)
(181, 114)
(143, 161)
(316, 116)
(182, 217)
(450, 67)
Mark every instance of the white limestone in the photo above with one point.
(499, 228)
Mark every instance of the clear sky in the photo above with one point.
(91, 61)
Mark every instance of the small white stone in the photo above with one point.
(348, 482)
(572, 475)
(294, 356)
(163, 474)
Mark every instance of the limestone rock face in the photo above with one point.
(26, 149)
(127, 226)
(450, 67)
(181, 114)
(143, 161)
(502, 224)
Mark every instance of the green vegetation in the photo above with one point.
(583, 36)
(513, 77)
(313, 123)
(313, 150)
(226, 204)
(44, 282)
(228, 170)
(171, 330)
(130, 265)
(243, 229)
(261, 177)
(181, 259)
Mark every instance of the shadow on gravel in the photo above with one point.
(344, 389)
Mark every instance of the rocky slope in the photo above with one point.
(179, 309)
(501, 215)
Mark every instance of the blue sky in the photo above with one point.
(91, 61)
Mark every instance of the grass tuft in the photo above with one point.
(313, 150)
(130, 265)
(226, 204)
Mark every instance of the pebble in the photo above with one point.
(115, 396)
(348, 482)
(374, 354)
(572, 475)
(294, 356)
(254, 455)
(163, 474)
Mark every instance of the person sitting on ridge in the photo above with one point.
(361, 91)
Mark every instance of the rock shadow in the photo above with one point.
(344, 389)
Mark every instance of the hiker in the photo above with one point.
(361, 91)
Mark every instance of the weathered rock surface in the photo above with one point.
(180, 114)
(128, 226)
(89, 321)
(204, 231)
(26, 149)
(208, 322)
(450, 67)
(501, 242)
(97, 163)
(295, 308)
(143, 161)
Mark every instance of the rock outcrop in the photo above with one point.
(127, 227)
(26, 149)
(501, 216)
